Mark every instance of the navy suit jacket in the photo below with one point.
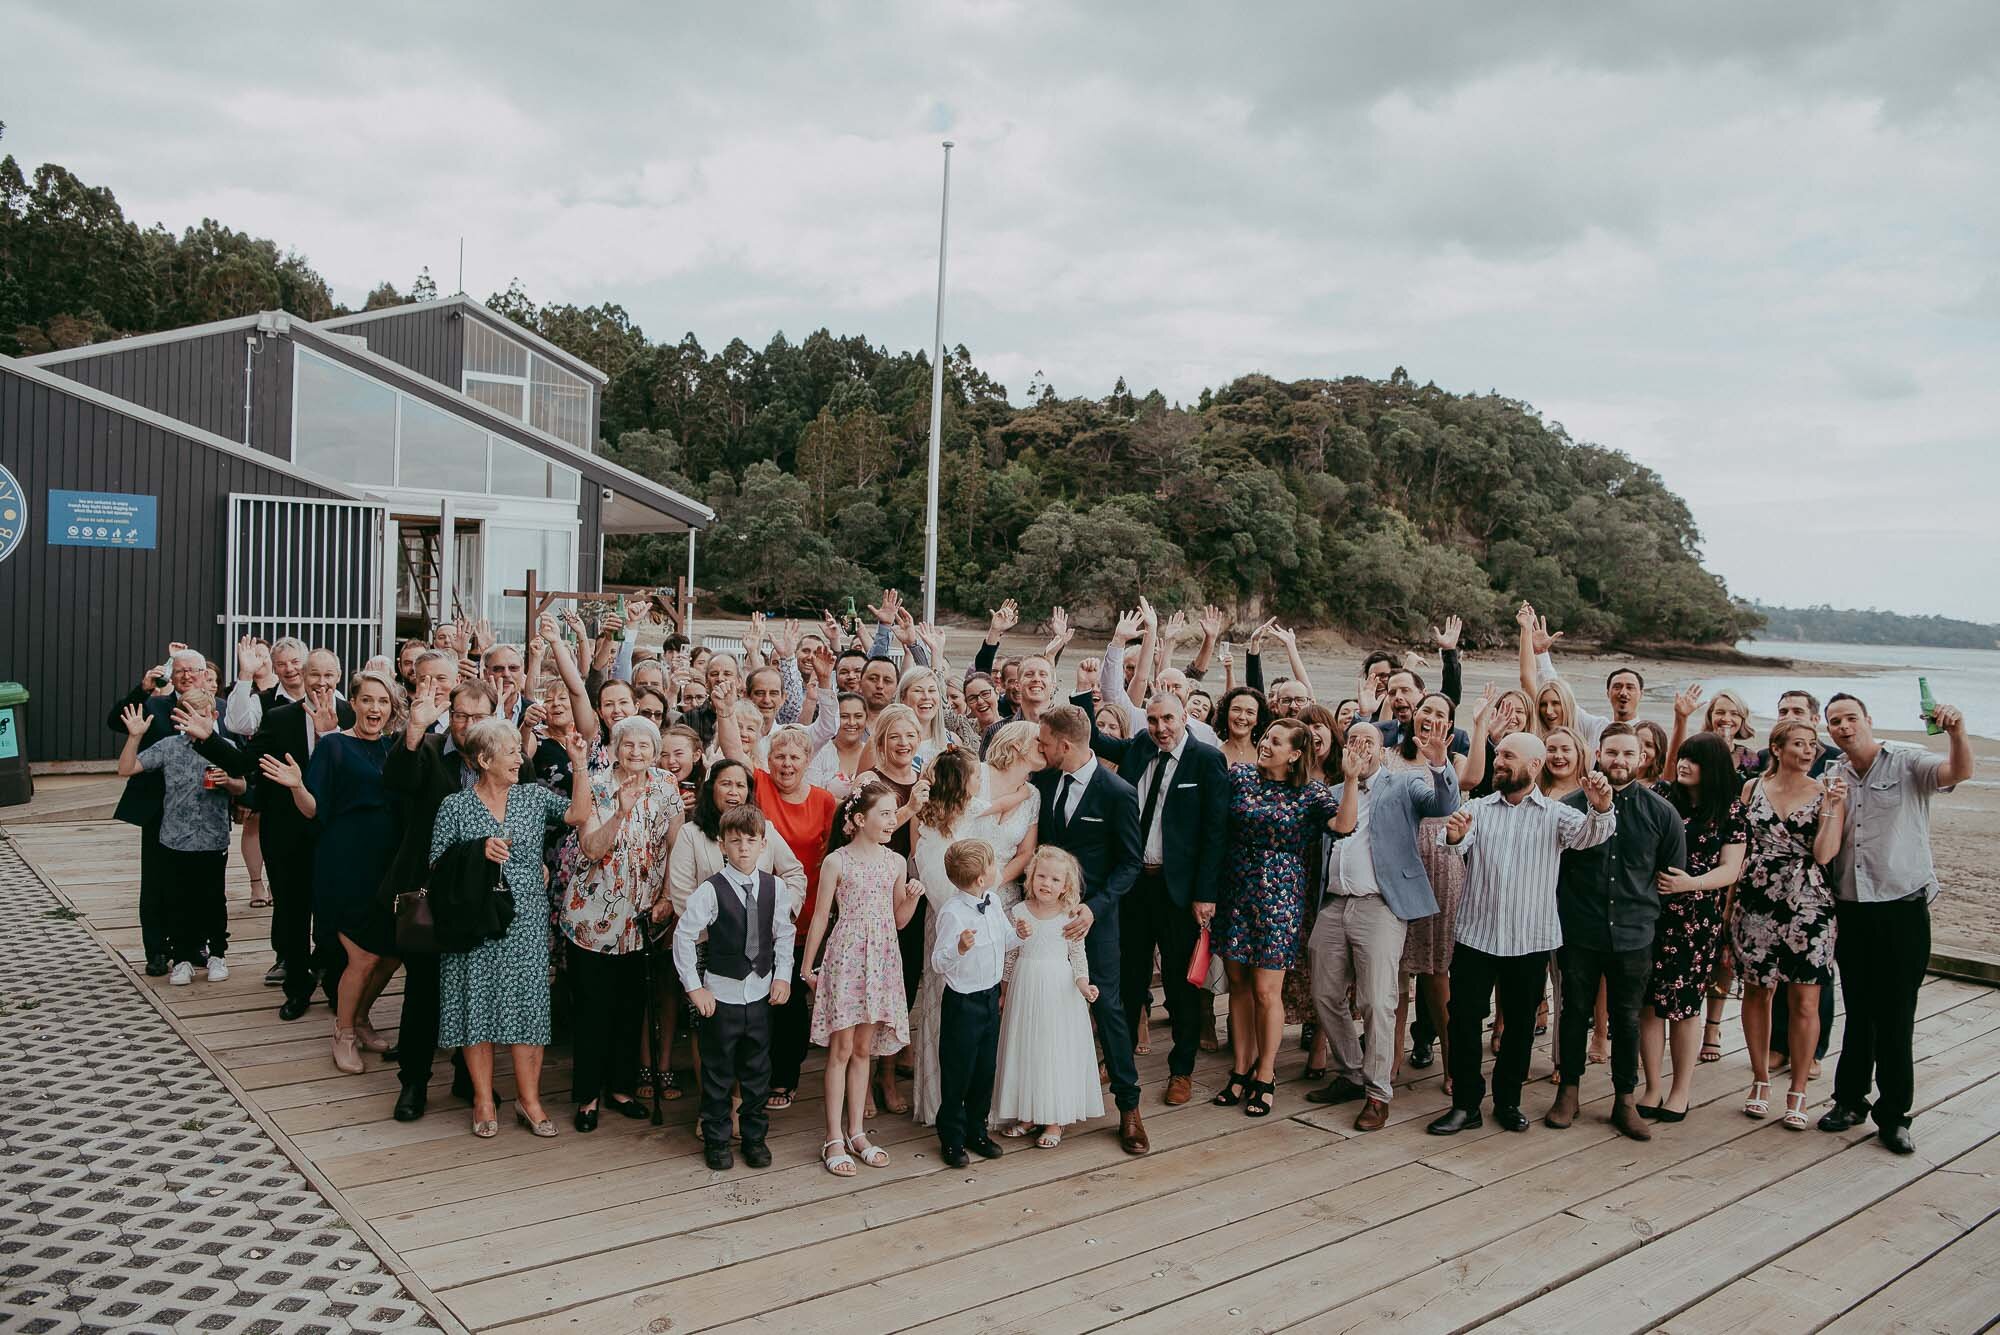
(1194, 812)
(1103, 836)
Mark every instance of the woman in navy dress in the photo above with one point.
(1275, 807)
(359, 829)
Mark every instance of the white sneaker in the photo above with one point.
(182, 975)
(218, 968)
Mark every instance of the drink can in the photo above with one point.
(211, 777)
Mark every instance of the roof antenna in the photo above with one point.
(461, 266)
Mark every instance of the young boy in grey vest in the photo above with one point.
(747, 915)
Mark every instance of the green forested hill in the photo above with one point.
(1847, 625)
(1377, 506)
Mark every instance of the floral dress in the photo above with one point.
(860, 966)
(498, 992)
(605, 905)
(1687, 939)
(1263, 905)
(1782, 926)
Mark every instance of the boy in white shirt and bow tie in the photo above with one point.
(748, 917)
(974, 935)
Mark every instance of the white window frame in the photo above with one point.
(395, 484)
(527, 385)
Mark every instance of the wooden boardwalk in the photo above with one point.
(1294, 1222)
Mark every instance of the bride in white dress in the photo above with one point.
(994, 802)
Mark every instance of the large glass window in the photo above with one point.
(345, 423)
(510, 554)
(440, 452)
(511, 378)
(356, 429)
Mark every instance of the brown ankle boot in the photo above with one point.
(1625, 1116)
(1563, 1111)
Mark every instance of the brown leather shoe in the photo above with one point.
(1563, 1111)
(1179, 1090)
(1132, 1133)
(1373, 1115)
(1625, 1116)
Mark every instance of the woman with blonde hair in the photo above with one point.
(921, 690)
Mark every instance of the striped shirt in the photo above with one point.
(1513, 856)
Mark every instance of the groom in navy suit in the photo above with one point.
(1092, 814)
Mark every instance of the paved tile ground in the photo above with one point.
(135, 1191)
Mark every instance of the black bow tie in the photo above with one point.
(984, 902)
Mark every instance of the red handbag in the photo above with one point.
(1197, 972)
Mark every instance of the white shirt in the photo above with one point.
(1161, 776)
(1111, 690)
(993, 936)
(701, 911)
(245, 711)
(1079, 779)
(1513, 855)
(1354, 868)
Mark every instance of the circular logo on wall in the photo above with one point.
(13, 514)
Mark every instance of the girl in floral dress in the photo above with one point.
(859, 1010)
(1782, 926)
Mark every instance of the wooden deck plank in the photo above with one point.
(1953, 1291)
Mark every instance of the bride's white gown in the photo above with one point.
(1005, 834)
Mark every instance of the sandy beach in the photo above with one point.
(1965, 823)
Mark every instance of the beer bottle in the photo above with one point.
(1928, 705)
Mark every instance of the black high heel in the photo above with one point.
(1258, 1102)
(1230, 1094)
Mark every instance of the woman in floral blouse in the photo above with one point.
(621, 872)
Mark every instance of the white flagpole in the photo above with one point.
(937, 402)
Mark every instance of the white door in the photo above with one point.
(320, 570)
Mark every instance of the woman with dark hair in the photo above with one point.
(1244, 714)
(1200, 705)
(1344, 715)
(1274, 807)
(835, 765)
(697, 851)
(1655, 762)
(1687, 940)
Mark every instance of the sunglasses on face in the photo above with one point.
(653, 714)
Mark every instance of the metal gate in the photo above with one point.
(320, 570)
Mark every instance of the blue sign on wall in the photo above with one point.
(103, 519)
(13, 514)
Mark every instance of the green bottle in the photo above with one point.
(1929, 706)
(625, 630)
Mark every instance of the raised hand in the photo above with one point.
(1259, 635)
(906, 627)
(1285, 635)
(198, 724)
(885, 611)
(1003, 618)
(467, 669)
(1352, 765)
(1949, 718)
(1687, 702)
(1447, 639)
(547, 627)
(830, 626)
(786, 642)
(536, 715)
(629, 791)
(325, 718)
(1541, 638)
(1487, 699)
(754, 641)
(135, 720)
(1598, 789)
(1087, 674)
(1212, 623)
(1176, 627)
(1127, 629)
(246, 657)
(426, 710)
(1836, 792)
(608, 628)
(1524, 616)
(1147, 614)
(1457, 825)
(285, 773)
(933, 640)
(573, 619)
(1059, 624)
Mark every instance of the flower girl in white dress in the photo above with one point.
(1047, 1072)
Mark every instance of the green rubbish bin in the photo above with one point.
(16, 784)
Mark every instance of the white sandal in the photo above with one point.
(1795, 1109)
(1758, 1105)
(1015, 1130)
(841, 1164)
(870, 1153)
(1050, 1138)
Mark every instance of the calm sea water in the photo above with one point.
(1967, 678)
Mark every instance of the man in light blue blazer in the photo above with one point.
(1374, 888)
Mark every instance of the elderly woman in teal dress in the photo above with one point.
(498, 992)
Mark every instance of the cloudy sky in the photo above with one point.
(1753, 246)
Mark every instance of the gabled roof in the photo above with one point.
(76, 389)
(276, 322)
(486, 314)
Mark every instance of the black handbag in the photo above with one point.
(416, 929)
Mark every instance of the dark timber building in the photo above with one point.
(350, 481)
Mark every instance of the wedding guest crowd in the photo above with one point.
(833, 838)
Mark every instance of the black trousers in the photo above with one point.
(190, 899)
(968, 1050)
(1625, 974)
(1781, 1040)
(289, 871)
(1882, 951)
(1473, 976)
(1150, 920)
(735, 1050)
(417, 1039)
(910, 945)
(791, 1032)
(607, 1015)
(152, 892)
(1114, 1031)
